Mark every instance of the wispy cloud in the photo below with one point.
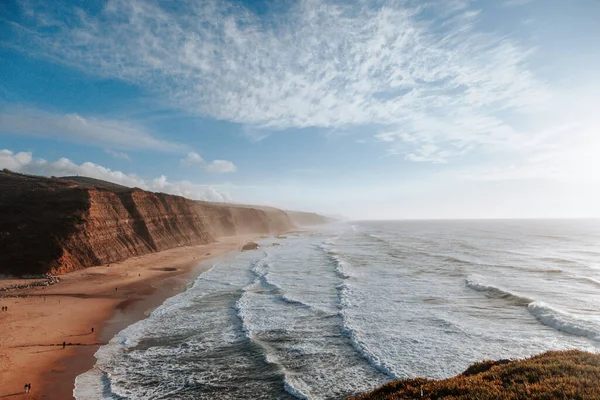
(515, 3)
(24, 162)
(567, 153)
(422, 69)
(77, 128)
(119, 155)
(219, 166)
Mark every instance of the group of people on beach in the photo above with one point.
(27, 387)
(4, 308)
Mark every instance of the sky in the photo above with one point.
(368, 109)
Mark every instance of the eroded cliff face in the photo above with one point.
(306, 218)
(56, 225)
(116, 226)
(231, 220)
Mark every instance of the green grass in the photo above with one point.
(569, 374)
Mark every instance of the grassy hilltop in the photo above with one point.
(553, 375)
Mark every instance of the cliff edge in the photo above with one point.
(56, 225)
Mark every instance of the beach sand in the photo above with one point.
(107, 298)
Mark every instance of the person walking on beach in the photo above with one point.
(64, 344)
(92, 329)
(27, 387)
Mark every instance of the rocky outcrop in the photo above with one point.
(60, 225)
(250, 246)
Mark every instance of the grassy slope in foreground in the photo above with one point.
(569, 374)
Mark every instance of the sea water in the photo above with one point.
(346, 307)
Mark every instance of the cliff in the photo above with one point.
(553, 375)
(306, 218)
(59, 225)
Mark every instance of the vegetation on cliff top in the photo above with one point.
(553, 375)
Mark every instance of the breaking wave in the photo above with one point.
(354, 335)
(476, 284)
(544, 313)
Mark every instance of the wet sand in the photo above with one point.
(107, 298)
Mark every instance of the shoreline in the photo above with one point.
(107, 298)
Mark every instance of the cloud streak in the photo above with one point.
(421, 70)
(77, 128)
(24, 162)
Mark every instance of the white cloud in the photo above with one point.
(219, 166)
(74, 127)
(222, 166)
(421, 68)
(24, 162)
(14, 162)
(193, 158)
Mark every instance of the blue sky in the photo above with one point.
(369, 109)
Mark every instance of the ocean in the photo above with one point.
(346, 307)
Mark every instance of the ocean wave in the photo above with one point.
(593, 281)
(340, 267)
(293, 390)
(558, 260)
(240, 310)
(454, 260)
(94, 385)
(260, 269)
(377, 238)
(476, 284)
(281, 295)
(563, 321)
(354, 335)
(544, 313)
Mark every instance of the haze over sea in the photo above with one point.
(337, 311)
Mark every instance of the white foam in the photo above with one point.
(340, 267)
(90, 386)
(293, 390)
(355, 335)
(563, 321)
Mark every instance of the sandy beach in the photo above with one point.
(106, 298)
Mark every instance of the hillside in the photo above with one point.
(59, 225)
(552, 375)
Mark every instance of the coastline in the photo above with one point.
(107, 298)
